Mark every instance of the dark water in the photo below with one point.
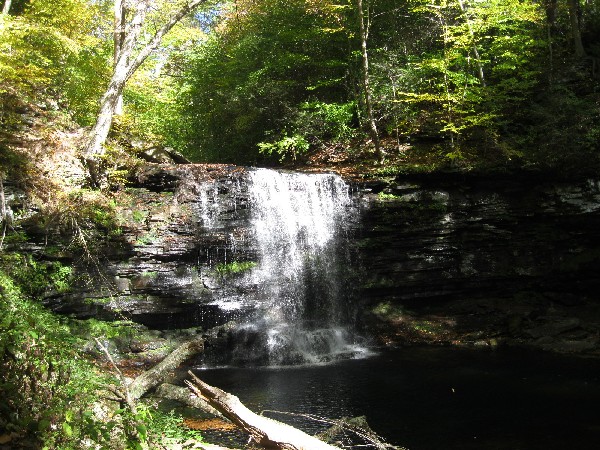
(439, 398)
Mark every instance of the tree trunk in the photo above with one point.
(475, 49)
(4, 215)
(183, 395)
(576, 28)
(6, 7)
(155, 376)
(266, 432)
(124, 68)
(119, 39)
(366, 82)
(550, 32)
(110, 100)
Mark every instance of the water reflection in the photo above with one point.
(439, 398)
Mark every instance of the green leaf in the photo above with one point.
(68, 430)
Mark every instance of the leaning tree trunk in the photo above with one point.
(100, 130)
(154, 376)
(124, 68)
(6, 7)
(108, 106)
(266, 432)
(110, 100)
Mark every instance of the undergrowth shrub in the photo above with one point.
(53, 394)
(46, 385)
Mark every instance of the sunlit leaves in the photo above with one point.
(482, 56)
(262, 61)
(52, 45)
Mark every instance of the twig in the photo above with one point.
(127, 395)
(3, 212)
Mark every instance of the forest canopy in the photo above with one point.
(516, 79)
(254, 82)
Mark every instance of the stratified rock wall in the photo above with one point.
(162, 270)
(449, 239)
(435, 259)
(469, 258)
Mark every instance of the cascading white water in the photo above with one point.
(295, 220)
(298, 223)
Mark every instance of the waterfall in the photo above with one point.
(296, 219)
(299, 224)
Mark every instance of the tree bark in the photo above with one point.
(183, 395)
(550, 32)
(119, 38)
(576, 28)
(5, 216)
(266, 432)
(109, 102)
(6, 7)
(155, 376)
(475, 49)
(366, 80)
(125, 66)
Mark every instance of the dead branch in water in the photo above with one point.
(357, 426)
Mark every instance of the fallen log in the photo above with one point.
(154, 376)
(183, 395)
(266, 432)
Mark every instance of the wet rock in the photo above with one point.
(566, 298)
(122, 284)
(570, 346)
(554, 328)
(137, 346)
(545, 341)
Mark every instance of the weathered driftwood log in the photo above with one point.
(266, 432)
(154, 376)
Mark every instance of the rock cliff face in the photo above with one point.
(483, 261)
(439, 260)
(162, 269)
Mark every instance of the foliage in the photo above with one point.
(330, 120)
(153, 428)
(245, 84)
(261, 82)
(387, 196)
(463, 72)
(562, 131)
(46, 385)
(313, 123)
(234, 268)
(151, 96)
(50, 390)
(479, 65)
(52, 49)
(81, 214)
(291, 146)
(37, 278)
(91, 328)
